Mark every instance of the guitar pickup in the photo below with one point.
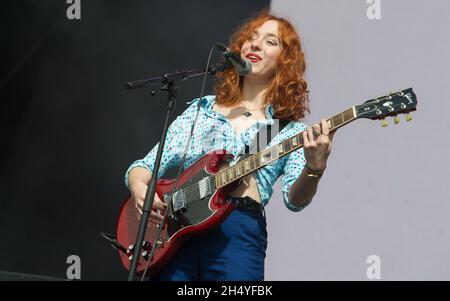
(204, 187)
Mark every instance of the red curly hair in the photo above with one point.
(288, 91)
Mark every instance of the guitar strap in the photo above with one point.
(282, 124)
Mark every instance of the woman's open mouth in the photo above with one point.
(253, 57)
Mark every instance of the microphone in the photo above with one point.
(243, 66)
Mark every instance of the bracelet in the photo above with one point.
(314, 173)
(313, 176)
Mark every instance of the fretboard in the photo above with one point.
(254, 162)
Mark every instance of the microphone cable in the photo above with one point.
(182, 162)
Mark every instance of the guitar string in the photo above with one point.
(202, 185)
(195, 188)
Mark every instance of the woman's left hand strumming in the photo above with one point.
(317, 145)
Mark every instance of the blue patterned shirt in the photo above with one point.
(213, 131)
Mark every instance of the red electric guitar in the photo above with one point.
(198, 202)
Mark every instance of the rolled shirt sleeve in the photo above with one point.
(292, 170)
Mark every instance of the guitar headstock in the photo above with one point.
(395, 103)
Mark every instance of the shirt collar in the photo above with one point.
(208, 102)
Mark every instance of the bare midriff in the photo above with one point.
(240, 123)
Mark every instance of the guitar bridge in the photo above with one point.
(179, 201)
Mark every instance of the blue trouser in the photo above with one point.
(235, 250)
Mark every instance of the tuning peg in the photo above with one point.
(384, 123)
(408, 117)
(396, 119)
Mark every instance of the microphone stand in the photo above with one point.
(183, 75)
(167, 83)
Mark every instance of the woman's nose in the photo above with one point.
(255, 44)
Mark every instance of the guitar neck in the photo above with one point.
(254, 162)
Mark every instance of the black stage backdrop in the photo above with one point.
(69, 129)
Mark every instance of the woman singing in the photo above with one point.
(242, 105)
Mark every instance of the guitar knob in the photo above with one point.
(159, 243)
(396, 120)
(408, 117)
(145, 244)
(384, 123)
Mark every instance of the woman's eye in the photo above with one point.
(272, 43)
